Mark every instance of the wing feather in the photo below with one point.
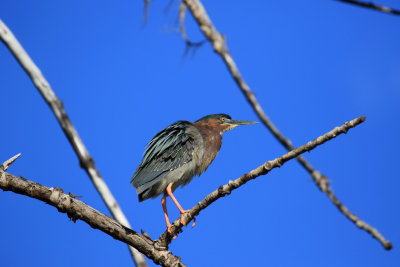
(168, 150)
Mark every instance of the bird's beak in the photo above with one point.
(241, 122)
(231, 124)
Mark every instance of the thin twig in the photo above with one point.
(224, 190)
(219, 44)
(76, 209)
(8, 163)
(146, 10)
(182, 14)
(371, 5)
(182, 29)
(86, 161)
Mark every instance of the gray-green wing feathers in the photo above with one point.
(168, 150)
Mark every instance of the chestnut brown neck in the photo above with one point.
(212, 140)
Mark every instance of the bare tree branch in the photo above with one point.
(78, 210)
(86, 161)
(219, 44)
(372, 6)
(224, 190)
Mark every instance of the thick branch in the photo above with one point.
(86, 161)
(372, 6)
(224, 190)
(76, 209)
(218, 42)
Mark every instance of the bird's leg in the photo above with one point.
(164, 206)
(182, 211)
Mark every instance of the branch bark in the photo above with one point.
(371, 5)
(78, 210)
(86, 161)
(264, 169)
(219, 44)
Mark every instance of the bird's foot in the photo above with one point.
(183, 215)
(169, 231)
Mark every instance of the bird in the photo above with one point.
(176, 154)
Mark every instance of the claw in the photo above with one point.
(183, 216)
(182, 220)
(169, 231)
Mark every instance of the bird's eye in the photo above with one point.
(222, 119)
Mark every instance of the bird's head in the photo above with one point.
(222, 122)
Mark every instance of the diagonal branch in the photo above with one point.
(372, 6)
(219, 44)
(86, 161)
(224, 190)
(78, 210)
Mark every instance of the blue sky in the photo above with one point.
(312, 65)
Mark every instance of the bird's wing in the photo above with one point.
(168, 150)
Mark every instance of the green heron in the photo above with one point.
(178, 153)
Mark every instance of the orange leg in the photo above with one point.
(182, 211)
(164, 206)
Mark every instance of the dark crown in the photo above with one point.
(215, 116)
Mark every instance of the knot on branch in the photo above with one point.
(267, 167)
(55, 194)
(321, 180)
(233, 185)
(279, 162)
(87, 163)
(225, 190)
(219, 43)
(63, 203)
(221, 190)
(346, 129)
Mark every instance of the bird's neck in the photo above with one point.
(212, 139)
